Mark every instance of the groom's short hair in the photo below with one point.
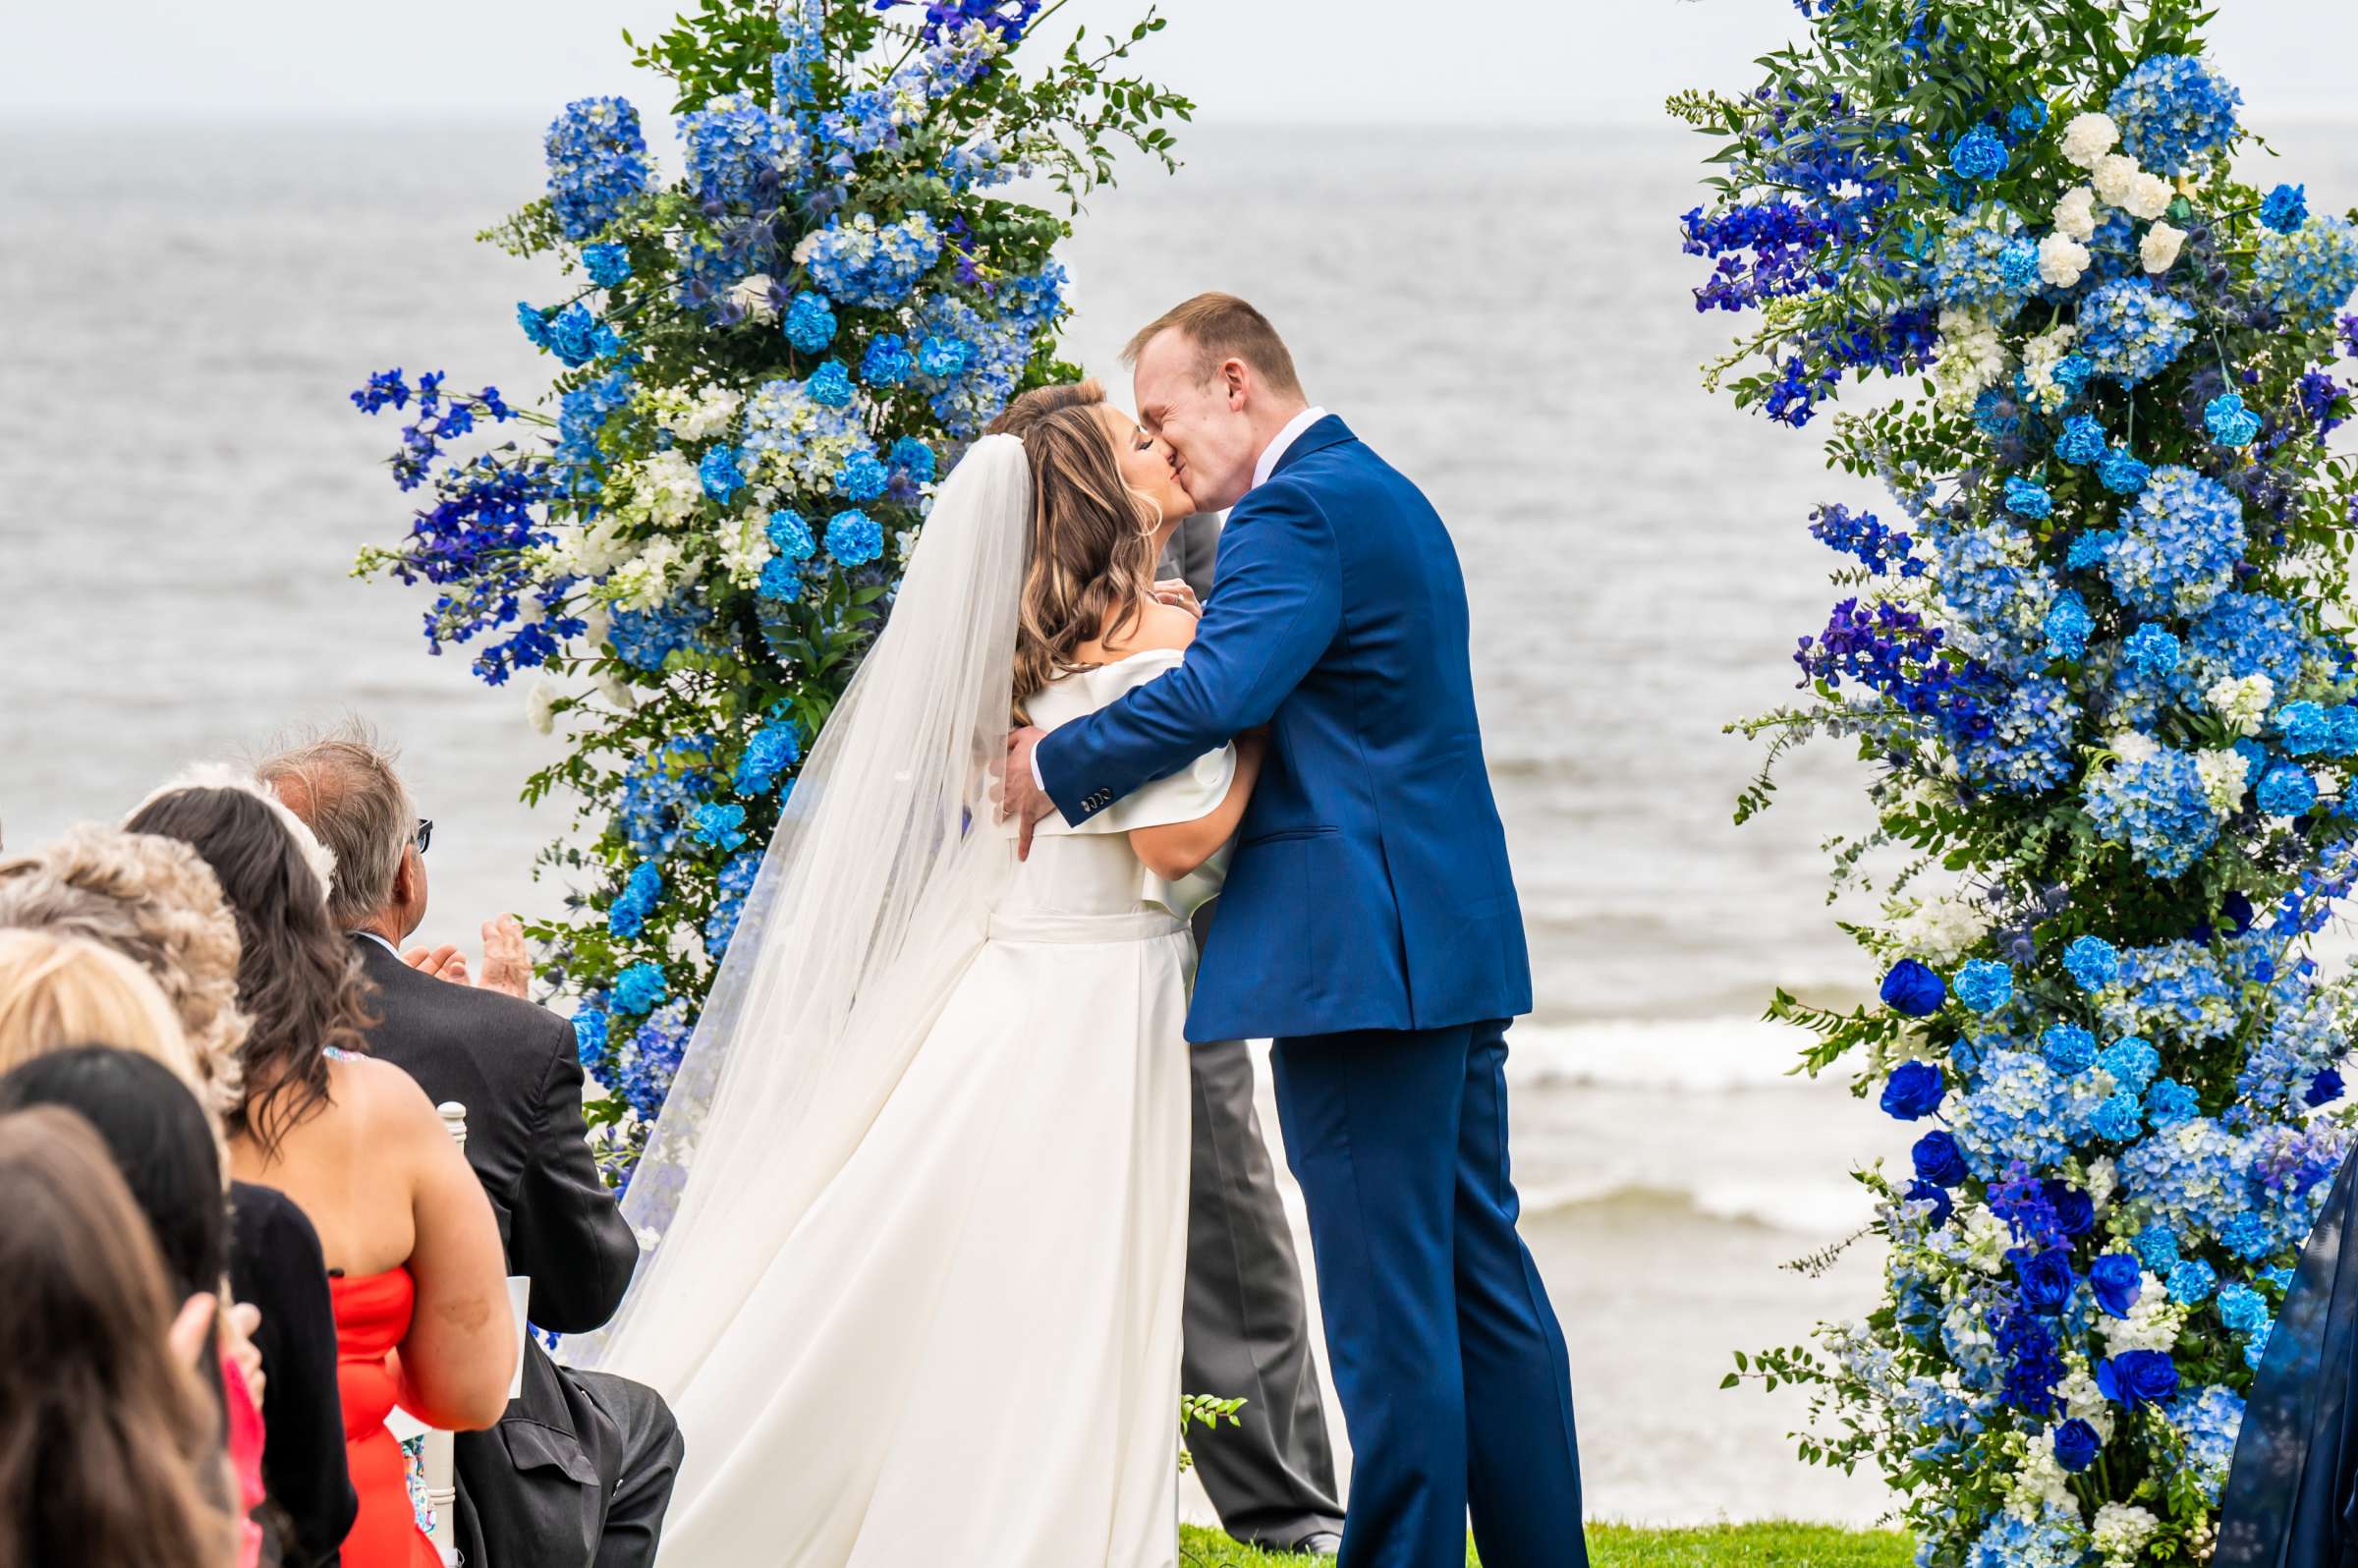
(1223, 327)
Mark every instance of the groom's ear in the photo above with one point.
(1237, 378)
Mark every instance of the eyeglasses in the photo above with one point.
(426, 834)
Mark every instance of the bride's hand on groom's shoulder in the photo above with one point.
(1021, 799)
(1175, 593)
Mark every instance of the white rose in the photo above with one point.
(614, 690)
(2088, 138)
(752, 296)
(2117, 177)
(540, 706)
(2149, 197)
(2062, 260)
(2075, 213)
(2159, 247)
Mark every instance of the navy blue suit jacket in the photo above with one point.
(1370, 887)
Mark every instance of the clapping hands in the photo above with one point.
(507, 965)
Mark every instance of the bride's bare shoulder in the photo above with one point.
(1156, 625)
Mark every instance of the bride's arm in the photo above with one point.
(1176, 849)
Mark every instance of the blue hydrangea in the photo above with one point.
(2157, 806)
(943, 359)
(2309, 273)
(2122, 473)
(2230, 423)
(854, 538)
(597, 164)
(2172, 109)
(2180, 547)
(862, 477)
(862, 263)
(607, 264)
(658, 790)
(2280, 1068)
(2173, 989)
(1984, 984)
(2067, 1048)
(887, 362)
(2020, 1110)
(2208, 1419)
(2067, 626)
(2028, 498)
(651, 1059)
(735, 882)
(2092, 962)
(911, 457)
(1970, 267)
(809, 323)
(2241, 1308)
(2286, 790)
(738, 154)
(1979, 155)
(830, 385)
(790, 535)
(646, 639)
(2131, 1061)
(2254, 633)
(637, 989)
(2025, 1536)
(2131, 331)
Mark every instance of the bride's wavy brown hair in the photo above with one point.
(1091, 557)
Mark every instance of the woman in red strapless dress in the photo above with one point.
(371, 1316)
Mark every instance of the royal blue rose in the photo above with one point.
(2046, 1278)
(1924, 1191)
(2076, 1444)
(1913, 990)
(1938, 1159)
(2138, 1377)
(2324, 1088)
(1913, 1092)
(2117, 1281)
(2075, 1211)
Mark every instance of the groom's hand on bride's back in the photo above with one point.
(1020, 796)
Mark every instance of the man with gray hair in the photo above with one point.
(579, 1470)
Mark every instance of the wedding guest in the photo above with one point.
(515, 1068)
(412, 1250)
(154, 900)
(108, 1445)
(164, 1147)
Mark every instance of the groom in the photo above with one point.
(1369, 925)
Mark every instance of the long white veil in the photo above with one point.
(871, 904)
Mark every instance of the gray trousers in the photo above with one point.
(1246, 1333)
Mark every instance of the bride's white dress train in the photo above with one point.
(965, 1349)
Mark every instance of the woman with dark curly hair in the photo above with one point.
(414, 1258)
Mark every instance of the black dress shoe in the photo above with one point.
(1318, 1543)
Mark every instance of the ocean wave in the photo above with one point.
(1804, 1209)
(1694, 1055)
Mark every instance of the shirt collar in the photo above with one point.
(1277, 449)
(371, 936)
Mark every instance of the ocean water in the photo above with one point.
(182, 486)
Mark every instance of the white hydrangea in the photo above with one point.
(708, 415)
(2075, 213)
(1971, 356)
(2043, 353)
(540, 706)
(2222, 771)
(2062, 260)
(744, 547)
(2134, 746)
(2159, 247)
(2242, 703)
(752, 296)
(2120, 1533)
(2088, 138)
(2152, 1323)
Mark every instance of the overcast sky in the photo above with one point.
(1334, 61)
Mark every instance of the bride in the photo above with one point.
(920, 1185)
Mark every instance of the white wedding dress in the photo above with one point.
(920, 1187)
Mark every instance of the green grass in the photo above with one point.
(1772, 1546)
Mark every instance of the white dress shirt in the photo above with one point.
(1263, 467)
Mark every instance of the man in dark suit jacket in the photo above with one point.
(1245, 1327)
(580, 1468)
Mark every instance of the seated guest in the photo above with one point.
(87, 1315)
(164, 1147)
(412, 1250)
(154, 901)
(514, 1067)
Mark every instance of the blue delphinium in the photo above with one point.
(809, 324)
(596, 163)
(854, 538)
(2132, 331)
(2172, 110)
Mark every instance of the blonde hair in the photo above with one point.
(1223, 327)
(1092, 543)
(154, 901)
(57, 991)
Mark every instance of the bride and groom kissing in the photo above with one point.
(919, 1193)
